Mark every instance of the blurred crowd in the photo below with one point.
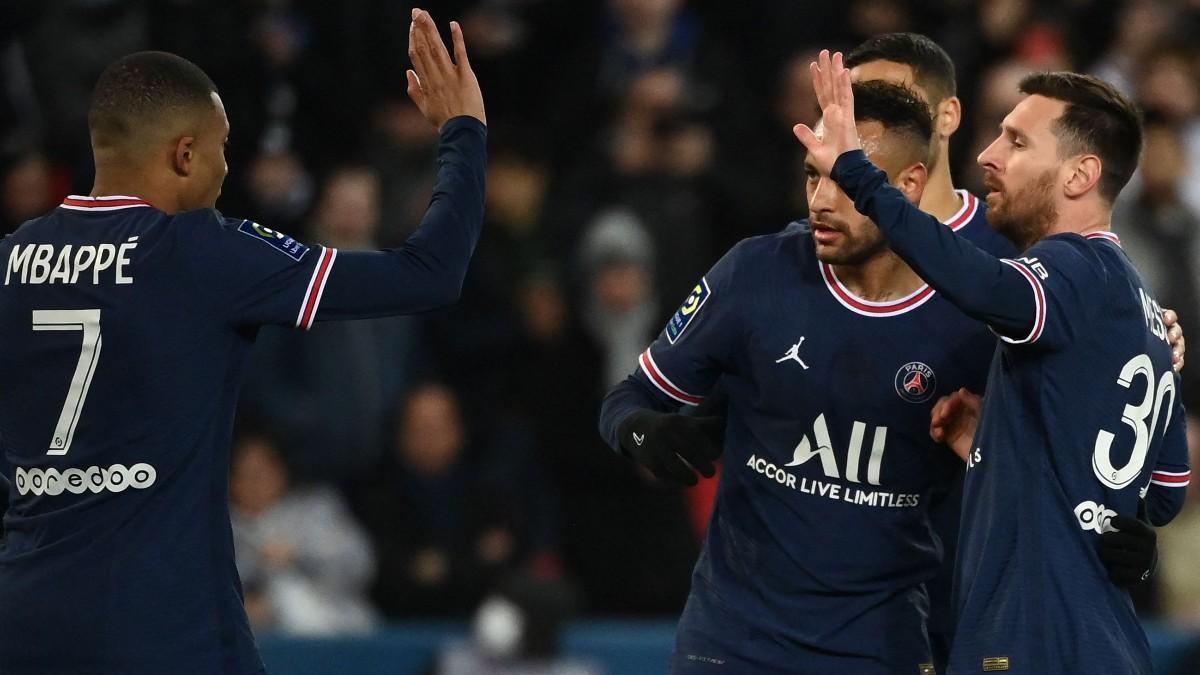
(410, 467)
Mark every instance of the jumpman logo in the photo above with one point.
(793, 354)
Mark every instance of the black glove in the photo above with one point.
(672, 445)
(1130, 553)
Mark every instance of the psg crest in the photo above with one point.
(915, 382)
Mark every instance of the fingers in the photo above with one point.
(807, 137)
(1170, 318)
(460, 46)
(418, 51)
(414, 89)
(678, 471)
(437, 49)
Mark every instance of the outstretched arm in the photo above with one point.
(985, 287)
(428, 270)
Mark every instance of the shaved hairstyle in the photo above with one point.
(138, 93)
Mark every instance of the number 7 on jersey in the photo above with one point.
(87, 321)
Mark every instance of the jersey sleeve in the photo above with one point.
(248, 274)
(1062, 278)
(682, 365)
(1172, 471)
(976, 281)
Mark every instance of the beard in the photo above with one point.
(852, 250)
(1024, 216)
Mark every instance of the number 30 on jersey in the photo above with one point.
(1136, 418)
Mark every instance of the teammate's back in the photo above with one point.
(125, 327)
(1095, 421)
(122, 365)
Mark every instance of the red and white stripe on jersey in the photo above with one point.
(966, 213)
(1104, 235)
(868, 308)
(110, 203)
(1171, 478)
(316, 287)
(646, 361)
(1039, 299)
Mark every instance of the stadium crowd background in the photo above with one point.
(406, 468)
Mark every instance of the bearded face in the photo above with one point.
(1023, 214)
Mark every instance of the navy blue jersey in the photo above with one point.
(1081, 420)
(124, 334)
(820, 541)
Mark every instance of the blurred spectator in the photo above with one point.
(474, 340)
(1142, 25)
(1161, 233)
(401, 149)
(621, 313)
(280, 191)
(1170, 83)
(304, 561)
(26, 190)
(328, 393)
(66, 46)
(446, 530)
(1179, 549)
(516, 631)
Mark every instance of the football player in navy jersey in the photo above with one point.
(1082, 417)
(126, 321)
(832, 354)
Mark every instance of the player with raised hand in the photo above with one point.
(1081, 403)
(126, 322)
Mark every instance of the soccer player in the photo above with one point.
(832, 353)
(126, 319)
(1082, 400)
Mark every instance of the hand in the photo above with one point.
(954, 419)
(672, 446)
(1129, 551)
(1175, 337)
(441, 88)
(831, 80)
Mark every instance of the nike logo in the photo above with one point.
(639, 438)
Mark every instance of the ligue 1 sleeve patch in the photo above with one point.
(276, 240)
(688, 311)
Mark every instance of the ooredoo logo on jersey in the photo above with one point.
(115, 478)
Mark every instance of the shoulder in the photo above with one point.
(753, 260)
(1083, 261)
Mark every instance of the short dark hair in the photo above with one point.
(1098, 119)
(932, 68)
(899, 109)
(143, 87)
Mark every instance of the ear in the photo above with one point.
(1084, 176)
(911, 181)
(183, 156)
(947, 117)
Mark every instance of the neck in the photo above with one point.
(882, 278)
(135, 183)
(1082, 218)
(939, 198)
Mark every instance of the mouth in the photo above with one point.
(824, 234)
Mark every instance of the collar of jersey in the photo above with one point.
(911, 301)
(1110, 236)
(107, 203)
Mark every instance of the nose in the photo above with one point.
(824, 196)
(989, 159)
